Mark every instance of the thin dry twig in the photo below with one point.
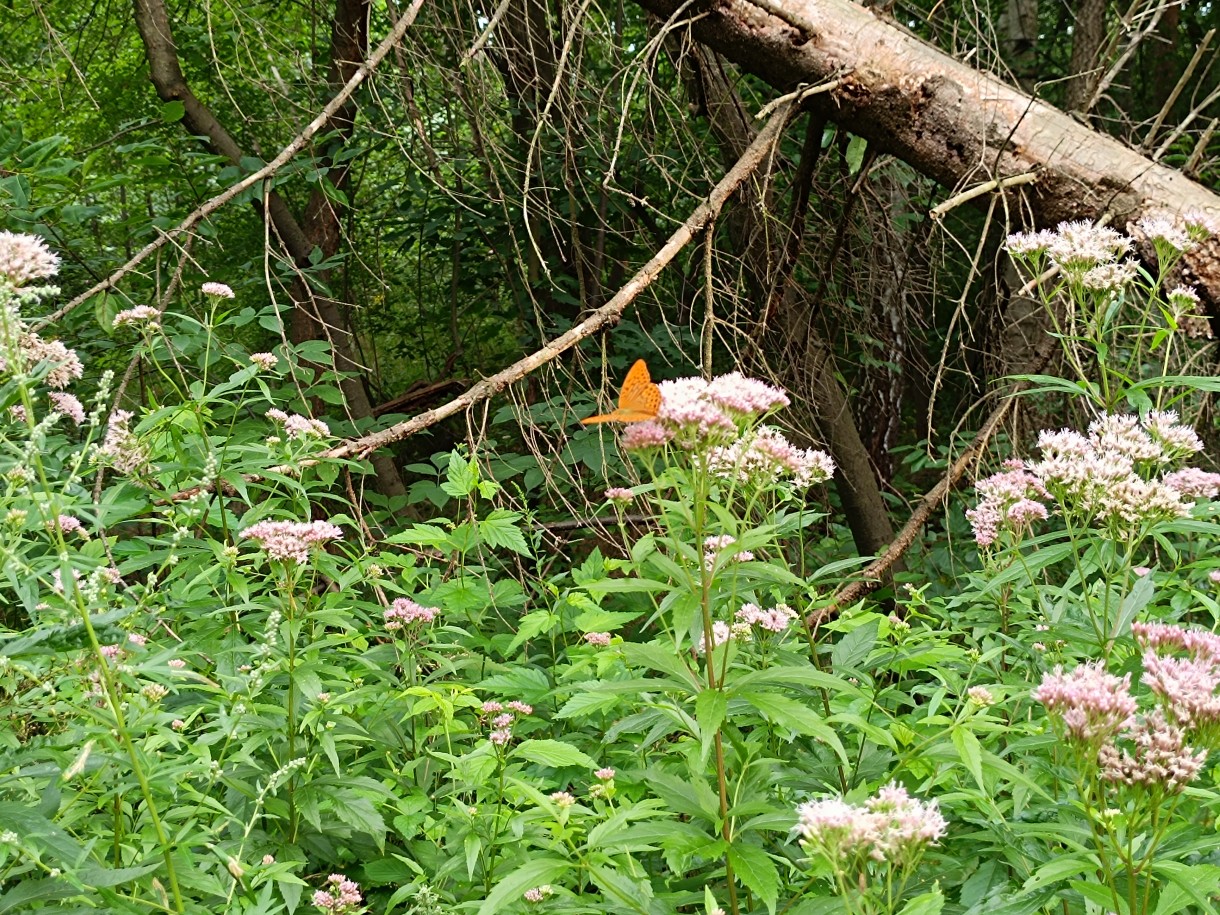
(872, 576)
(603, 317)
(285, 155)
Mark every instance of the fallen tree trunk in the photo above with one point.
(954, 124)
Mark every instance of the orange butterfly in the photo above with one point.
(639, 400)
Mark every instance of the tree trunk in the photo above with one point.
(769, 256)
(1088, 33)
(948, 121)
(165, 71)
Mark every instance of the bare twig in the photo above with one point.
(1177, 90)
(603, 317)
(872, 576)
(979, 190)
(318, 124)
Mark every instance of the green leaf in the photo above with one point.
(631, 893)
(1056, 870)
(499, 529)
(927, 904)
(657, 658)
(532, 624)
(462, 475)
(971, 754)
(756, 871)
(553, 753)
(172, 112)
(855, 154)
(711, 706)
(794, 716)
(532, 873)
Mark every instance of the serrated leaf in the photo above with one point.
(711, 706)
(971, 754)
(499, 529)
(532, 624)
(553, 753)
(756, 871)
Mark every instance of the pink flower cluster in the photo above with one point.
(765, 456)
(341, 895)
(405, 612)
(1120, 475)
(598, 639)
(1151, 750)
(620, 495)
(33, 350)
(776, 620)
(714, 546)
(67, 404)
(1007, 503)
(501, 717)
(121, 447)
(1157, 758)
(297, 426)
(291, 541)
(24, 258)
(889, 827)
(537, 894)
(1185, 686)
(265, 361)
(217, 290)
(140, 315)
(1092, 705)
(695, 412)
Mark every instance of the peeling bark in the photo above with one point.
(952, 123)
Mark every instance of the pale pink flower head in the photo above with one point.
(645, 435)
(692, 416)
(341, 896)
(1029, 244)
(291, 541)
(619, 495)
(217, 290)
(68, 405)
(1080, 246)
(537, 894)
(265, 361)
(1091, 704)
(24, 258)
(598, 639)
(69, 525)
(404, 613)
(765, 456)
(65, 363)
(1156, 758)
(521, 708)
(140, 316)
(1214, 576)
(777, 620)
(605, 775)
(745, 398)
(1166, 233)
(562, 799)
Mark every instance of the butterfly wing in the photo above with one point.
(639, 399)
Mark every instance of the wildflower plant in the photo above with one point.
(1132, 767)
(1113, 318)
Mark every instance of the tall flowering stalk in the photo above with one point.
(1110, 489)
(31, 363)
(1132, 767)
(715, 466)
(1111, 318)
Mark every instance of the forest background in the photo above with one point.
(454, 229)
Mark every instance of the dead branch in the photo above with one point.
(317, 125)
